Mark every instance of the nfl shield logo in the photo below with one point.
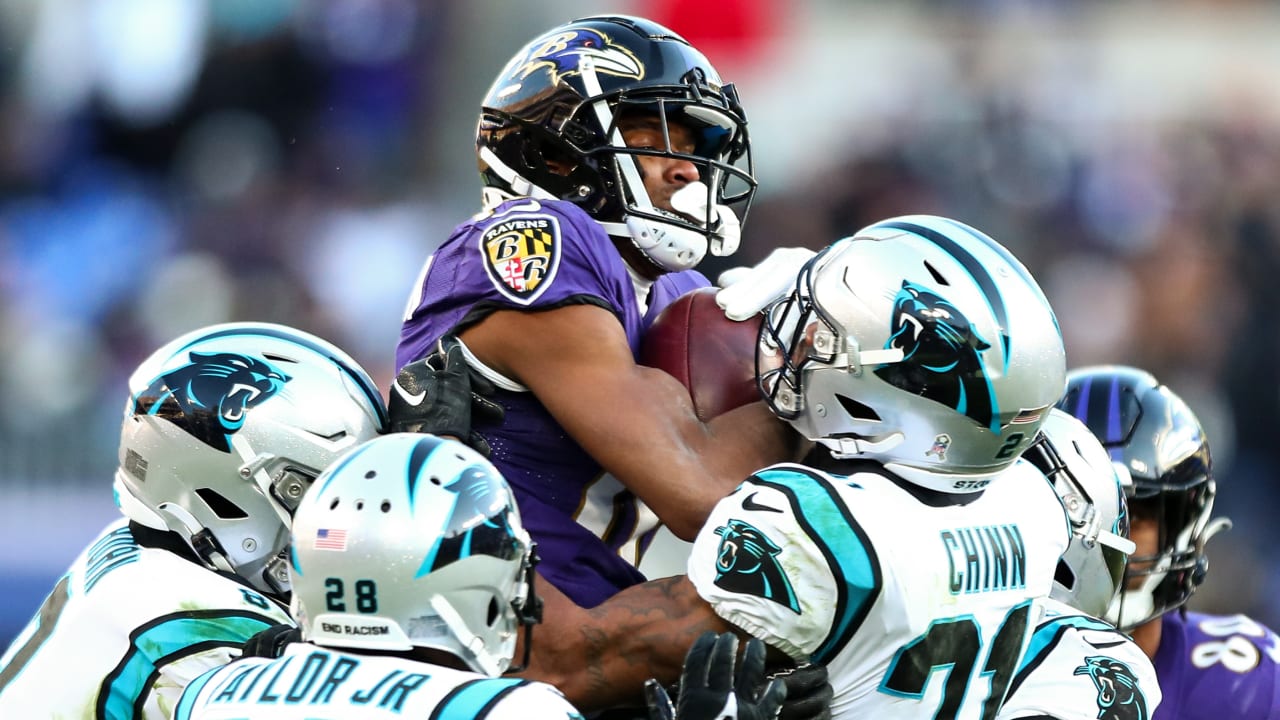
(939, 448)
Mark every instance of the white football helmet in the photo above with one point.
(1092, 489)
(224, 429)
(918, 342)
(413, 541)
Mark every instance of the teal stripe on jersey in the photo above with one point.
(1047, 633)
(824, 517)
(472, 701)
(167, 639)
(188, 700)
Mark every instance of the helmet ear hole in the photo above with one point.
(494, 612)
(223, 508)
(857, 410)
(1064, 575)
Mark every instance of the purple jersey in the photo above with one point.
(1213, 667)
(539, 255)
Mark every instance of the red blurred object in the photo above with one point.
(711, 355)
(731, 33)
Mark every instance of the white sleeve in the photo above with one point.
(1075, 670)
(761, 568)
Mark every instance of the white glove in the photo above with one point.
(748, 290)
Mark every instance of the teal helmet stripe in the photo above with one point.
(165, 640)
(418, 456)
(428, 562)
(822, 513)
(473, 700)
(1017, 265)
(972, 266)
(335, 470)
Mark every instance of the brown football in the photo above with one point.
(711, 355)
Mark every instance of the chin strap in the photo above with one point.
(520, 187)
(848, 448)
(469, 643)
(528, 612)
(206, 546)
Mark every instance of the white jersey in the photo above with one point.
(309, 682)
(124, 631)
(1081, 668)
(916, 610)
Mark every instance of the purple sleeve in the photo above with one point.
(526, 255)
(671, 286)
(1212, 667)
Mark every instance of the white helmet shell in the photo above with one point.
(225, 428)
(918, 342)
(412, 541)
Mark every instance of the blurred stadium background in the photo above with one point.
(166, 164)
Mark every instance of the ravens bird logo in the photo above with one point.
(1119, 697)
(941, 355)
(746, 562)
(561, 55)
(210, 397)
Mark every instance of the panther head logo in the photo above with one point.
(746, 562)
(480, 523)
(941, 355)
(1118, 695)
(209, 397)
(560, 54)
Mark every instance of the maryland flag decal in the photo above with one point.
(522, 255)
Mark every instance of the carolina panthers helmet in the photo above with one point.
(411, 541)
(1092, 489)
(224, 429)
(918, 342)
(549, 129)
(1152, 432)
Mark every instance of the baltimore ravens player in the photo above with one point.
(923, 358)
(1209, 666)
(613, 157)
(411, 576)
(224, 429)
(1078, 667)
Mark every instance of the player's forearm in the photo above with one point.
(736, 444)
(601, 657)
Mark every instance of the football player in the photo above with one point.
(224, 429)
(922, 358)
(614, 158)
(1078, 667)
(1209, 666)
(411, 576)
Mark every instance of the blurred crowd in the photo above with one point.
(165, 164)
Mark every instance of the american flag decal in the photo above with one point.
(330, 539)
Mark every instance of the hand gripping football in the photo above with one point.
(711, 355)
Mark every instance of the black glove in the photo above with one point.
(808, 693)
(440, 394)
(270, 643)
(709, 690)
